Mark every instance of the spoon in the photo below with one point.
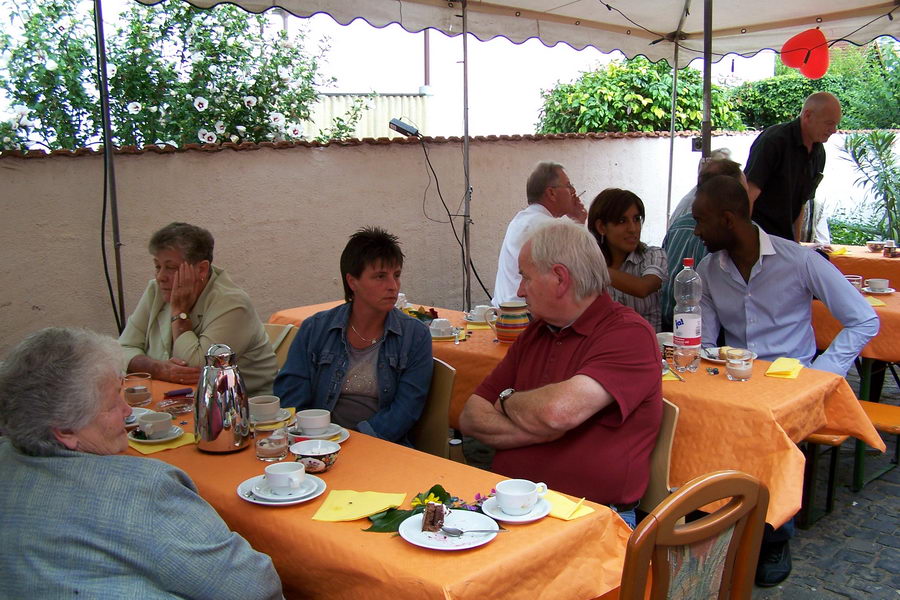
(666, 369)
(454, 532)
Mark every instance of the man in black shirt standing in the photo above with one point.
(786, 163)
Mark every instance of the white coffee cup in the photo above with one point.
(518, 496)
(264, 408)
(284, 478)
(878, 285)
(441, 327)
(477, 313)
(155, 425)
(314, 421)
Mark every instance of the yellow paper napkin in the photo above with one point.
(349, 505)
(561, 507)
(838, 250)
(475, 326)
(184, 440)
(785, 368)
(279, 424)
(669, 376)
(875, 301)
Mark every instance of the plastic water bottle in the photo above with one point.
(687, 326)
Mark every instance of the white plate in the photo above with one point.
(884, 291)
(245, 492)
(333, 430)
(411, 531)
(540, 510)
(262, 490)
(281, 416)
(174, 433)
(136, 412)
(712, 355)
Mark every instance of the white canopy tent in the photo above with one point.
(673, 30)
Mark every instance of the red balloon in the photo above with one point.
(807, 51)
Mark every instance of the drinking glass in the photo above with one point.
(137, 389)
(738, 364)
(274, 447)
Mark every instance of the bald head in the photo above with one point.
(820, 117)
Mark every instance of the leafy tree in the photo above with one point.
(177, 75)
(632, 95)
(866, 81)
(879, 173)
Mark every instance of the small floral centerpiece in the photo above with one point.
(389, 520)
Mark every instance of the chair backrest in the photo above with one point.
(712, 557)
(659, 488)
(280, 336)
(431, 432)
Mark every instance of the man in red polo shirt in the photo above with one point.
(577, 401)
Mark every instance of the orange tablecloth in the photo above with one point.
(859, 261)
(550, 558)
(749, 426)
(754, 426)
(473, 359)
(883, 346)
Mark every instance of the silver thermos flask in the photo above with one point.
(221, 410)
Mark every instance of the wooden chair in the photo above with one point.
(280, 336)
(659, 488)
(809, 513)
(431, 432)
(712, 557)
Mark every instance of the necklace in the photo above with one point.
(365, 339)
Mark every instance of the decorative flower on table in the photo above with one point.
(389, 520)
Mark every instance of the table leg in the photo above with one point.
(860, 478)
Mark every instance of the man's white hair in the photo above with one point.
(564, 242)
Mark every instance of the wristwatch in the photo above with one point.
(180, 317)
(503, 397)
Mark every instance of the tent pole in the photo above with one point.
(672, 129)
(706, 126)
(109, 168)
(466, 254)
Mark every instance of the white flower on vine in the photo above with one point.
(220, 127)
(276, 118)
(270, 135)
(138, 51)
(294, 130)
(111, 70)
(249, 101)
(20, 110)
(51, 64)
(6, 140)
(149, 68)
(153, 109)
(202, 135)
(241, 129)
(210, 138)
(201, 103)
(235, 139)
(64, 24)
(134, 107)
(255, 52)
(284, 72)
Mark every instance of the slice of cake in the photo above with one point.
(433, 517)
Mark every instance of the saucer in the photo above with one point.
(443, 338)
(174, 433)
(877, 292)
(281, 415)
(245, 492)
(540, 510)
(411, 531)
(712, 355)
(262, 490)
(333, 430)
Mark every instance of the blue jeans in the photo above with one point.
(628, 516)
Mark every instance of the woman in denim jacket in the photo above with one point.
(365, 361)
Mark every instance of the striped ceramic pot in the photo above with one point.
(512, 319)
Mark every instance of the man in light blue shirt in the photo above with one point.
(758, 288)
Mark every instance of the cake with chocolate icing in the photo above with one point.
(433, 517)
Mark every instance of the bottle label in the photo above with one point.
(687, 330)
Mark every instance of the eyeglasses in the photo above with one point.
(569, 187)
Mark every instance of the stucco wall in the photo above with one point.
(282, 216)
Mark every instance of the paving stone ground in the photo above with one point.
(853, 553)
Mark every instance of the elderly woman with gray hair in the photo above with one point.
(79, 520)
(187, 307)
